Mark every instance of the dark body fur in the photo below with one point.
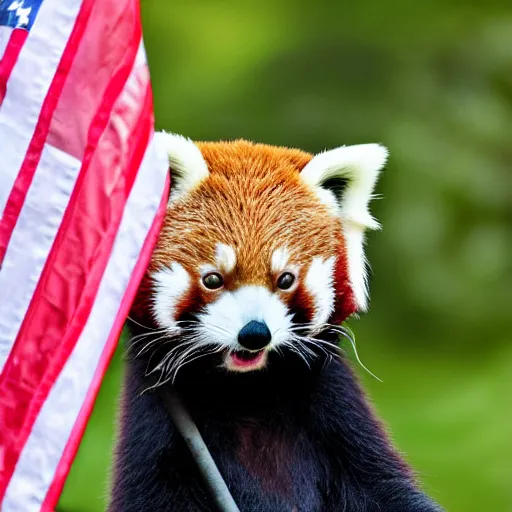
(288, 438)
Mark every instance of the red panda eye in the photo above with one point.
(213, 281)
(285, 280)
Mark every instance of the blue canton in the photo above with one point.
(19, 13)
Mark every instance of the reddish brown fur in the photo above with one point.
(302, 304)
(191, 302)
(345, 303)
(254, 201)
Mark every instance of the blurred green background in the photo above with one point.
(433, 82)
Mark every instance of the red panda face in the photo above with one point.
(261, 247)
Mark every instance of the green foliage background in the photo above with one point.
(432, 81)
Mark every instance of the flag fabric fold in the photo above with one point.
(83, 191)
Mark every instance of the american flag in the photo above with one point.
(83, 188)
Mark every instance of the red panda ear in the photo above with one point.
(186, 164)
(344, 179)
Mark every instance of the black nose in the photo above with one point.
(254, 336)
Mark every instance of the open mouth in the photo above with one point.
(245, 360)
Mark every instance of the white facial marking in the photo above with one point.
(279, 260)
(222, 320)
(320, 284)
(225, 258)
(171, 284)
(206, 268)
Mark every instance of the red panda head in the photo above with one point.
(259, 242)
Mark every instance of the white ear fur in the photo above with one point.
(360, 166)
(187, 165)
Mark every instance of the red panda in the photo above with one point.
(259, 260)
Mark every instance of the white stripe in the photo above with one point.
(36, 466)
(29, 83)
(32, 240)
(5, 35)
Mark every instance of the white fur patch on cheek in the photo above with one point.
(170, 285)
(356, 261)
(225, 258)
(320, 284)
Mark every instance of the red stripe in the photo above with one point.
(73, 443)
(12, 51)
(28, 168)
(67, 288)
(97, 59)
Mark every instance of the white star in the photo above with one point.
(22, 13)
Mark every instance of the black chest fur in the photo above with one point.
(290, 438)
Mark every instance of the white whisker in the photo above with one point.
(140, 325)
(314, 329)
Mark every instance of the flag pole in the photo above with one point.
(200, 453)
